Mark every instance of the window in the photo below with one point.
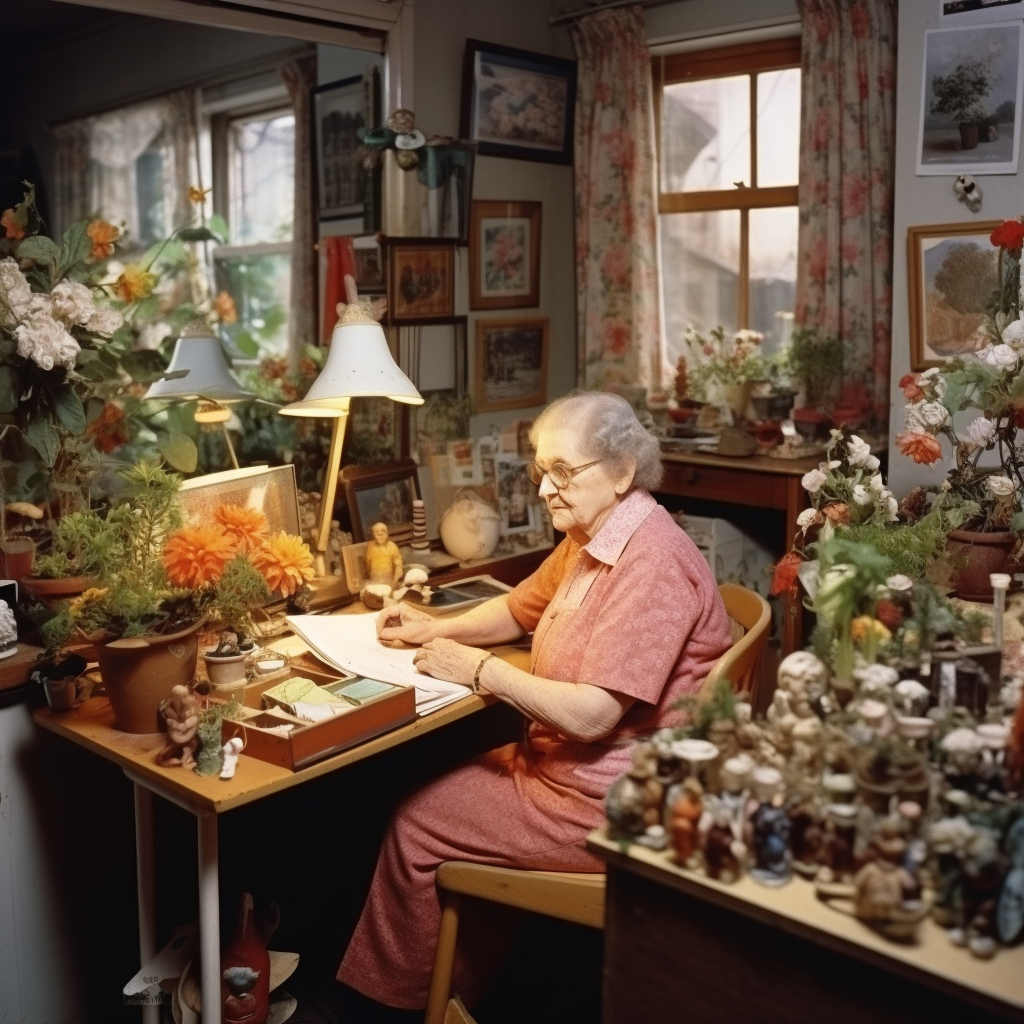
(729, 140)
(253, 174)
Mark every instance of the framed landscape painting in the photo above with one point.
(504, 255)
(952, 278)
(511, 363)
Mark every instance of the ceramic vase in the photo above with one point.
(737, 398)
(974, 557)
(225, 672)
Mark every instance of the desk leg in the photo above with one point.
(144, 877)
(209, 918)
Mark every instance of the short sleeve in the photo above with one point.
(529, 599)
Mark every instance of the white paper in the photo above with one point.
(349, 643)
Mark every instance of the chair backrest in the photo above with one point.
(741, 664)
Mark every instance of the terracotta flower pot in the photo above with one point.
(51, 591)
(139, 673)
(16, 554)
(974, 556)
(225, 672)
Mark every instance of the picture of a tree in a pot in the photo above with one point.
(814, 361)
(960, 97)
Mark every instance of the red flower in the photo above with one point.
(784, 577)
(912, 390)
(889, 614)
(922, 448)
(1009, 235)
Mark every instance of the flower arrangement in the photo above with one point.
(720, 360)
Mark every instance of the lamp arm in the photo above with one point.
(330, 490)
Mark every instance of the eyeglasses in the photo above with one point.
(559, 474)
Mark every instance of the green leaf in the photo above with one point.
(200, 234)
(147, 309)
(219, 227)
(75, 246)
(43, 250)
(1017, 523)
(143, 366)
(43, 436)
(69, 409)
(179, 451)
(8, 389)
(246, 344)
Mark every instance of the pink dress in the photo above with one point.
(636, 610)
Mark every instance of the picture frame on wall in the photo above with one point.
(504, 254)
(511, 363)
(515, 495)
(952, 272)
(971, 91)
(980, 10)
(369, 264)
(381, 494)
(421, 281)
(516, 103)
(339, 121)
(376, 431)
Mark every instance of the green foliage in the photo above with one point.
(82, 546)
(57, 632)
(700, 713)
(907, 548)
(241, 589)
(814, 361)
(959, 94)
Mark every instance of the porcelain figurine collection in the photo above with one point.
(894, 800)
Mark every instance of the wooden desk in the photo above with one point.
(91, 725)
(679, 945)
(754, 482)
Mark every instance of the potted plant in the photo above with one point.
(724, 368)
(959, 96)
(80, 547)
(814, 361)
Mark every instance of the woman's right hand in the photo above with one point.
(410, 625)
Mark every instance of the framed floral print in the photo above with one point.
(504, 255)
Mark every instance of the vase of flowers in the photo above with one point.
(723, 368)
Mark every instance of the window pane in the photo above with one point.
(260, 287)
(262, 168)
(700, 264)
(705, 134)
(772, 272)
(778, 127)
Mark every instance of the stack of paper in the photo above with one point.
(349, 643)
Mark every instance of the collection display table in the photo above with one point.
(679, 945)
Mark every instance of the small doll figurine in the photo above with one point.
(181, 714)
(720, 860)
(383, 559)
(231, 750)
(769, 827)
(686, 813)
(633, 803)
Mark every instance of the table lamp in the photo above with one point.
(199, 372)
(359, 365)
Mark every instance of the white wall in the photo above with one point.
(924, 200)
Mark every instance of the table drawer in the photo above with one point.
(715, 483)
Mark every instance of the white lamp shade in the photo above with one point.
(359, 364)
(208, 375)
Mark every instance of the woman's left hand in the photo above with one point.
(447, 659)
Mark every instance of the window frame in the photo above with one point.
(725, 62)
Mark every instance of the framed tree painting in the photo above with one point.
(504, 255)
(339, 120)
(511, 363)
(952, 275)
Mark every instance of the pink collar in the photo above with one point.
(607, 544)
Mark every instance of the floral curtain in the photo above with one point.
(133, 164)
(300, 77)
(844, 278)
(617, 311)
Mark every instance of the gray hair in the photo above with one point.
(606, 428)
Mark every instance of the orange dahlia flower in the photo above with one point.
(246, 526)
(195, 556)
(922, 448)
(224, 307)
(10, 223)
(285, 562)
(134, 283)
(102, 235)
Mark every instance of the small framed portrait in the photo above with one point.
(515, 494)
(518, 104)
(952, 275)
(339, 121)
(511, 363)
(421, 282)
(504, 255)
(465, 463)
(381, 494)
(369, 262)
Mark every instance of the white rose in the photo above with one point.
(1013, 333)
(888, 506)
(914, 423)
(872, 463)
(153, 334)
(899, 582)
(72, 302)
(859, 451)
(1000, 486)
(806, 518)
(981, 430)
(936, 380)
(1002, 357)
(933, 414)
(876, 484)
(43, 340)
(104, 322)
(862, 496)
(813, 480)
(15, 293)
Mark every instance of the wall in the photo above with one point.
(924, 200)
(707, 17)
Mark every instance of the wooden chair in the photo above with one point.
(571, 896)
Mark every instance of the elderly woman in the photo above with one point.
(626, 619)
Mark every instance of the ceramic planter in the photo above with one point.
(737, 398)
(16, 554)
(974, 556)
(225, 672)
(50, 591)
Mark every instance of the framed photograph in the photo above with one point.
(515, 495)
(465, 463)
(433, 201)
(504, 255)
(971, 100)
(369, 261)
(952, 276)
(339, 119)
(518, 104)
(421, 282)
(381, 494)
(976, 11)
(511, 363)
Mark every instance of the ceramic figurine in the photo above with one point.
(686, 813)
(8, 631)
(982, 872)
(837, 844)
(769, 829)
(912, 697)
(804, 669)
(720, 848)
(383, 559)
(181, 716)
(633, 803)
(667, 767)
(210, 758)
(230, 752)
(806, 836)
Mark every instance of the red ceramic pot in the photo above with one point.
(974, 557)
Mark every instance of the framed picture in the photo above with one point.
(518, 104)
(981, 10)
(339, 119)
(375, 432)
(465, 463)
(511, 363)
(271, 490)
(381, 494)
(952, 275)
(504, 255)
(971, 100)
(433, 201)
(515, 495)
(369, 261)
(421, 282)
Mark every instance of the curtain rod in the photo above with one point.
(579, 12)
